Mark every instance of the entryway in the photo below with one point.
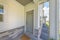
(29, 22)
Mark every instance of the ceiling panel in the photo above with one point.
(24, 2)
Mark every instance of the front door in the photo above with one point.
(29, 22)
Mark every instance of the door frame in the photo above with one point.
(26, 18)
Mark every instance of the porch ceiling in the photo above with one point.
(24, 2)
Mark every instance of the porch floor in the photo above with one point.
(24, 37)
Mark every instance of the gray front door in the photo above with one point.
(29, 22)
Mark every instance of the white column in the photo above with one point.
(54, 19)
(58, 18)
(38, 18)
(36, 15)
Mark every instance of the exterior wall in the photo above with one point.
(13, 15)
(29, 7)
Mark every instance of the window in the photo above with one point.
(1, 13)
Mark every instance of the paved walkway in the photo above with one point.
(44, 32)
